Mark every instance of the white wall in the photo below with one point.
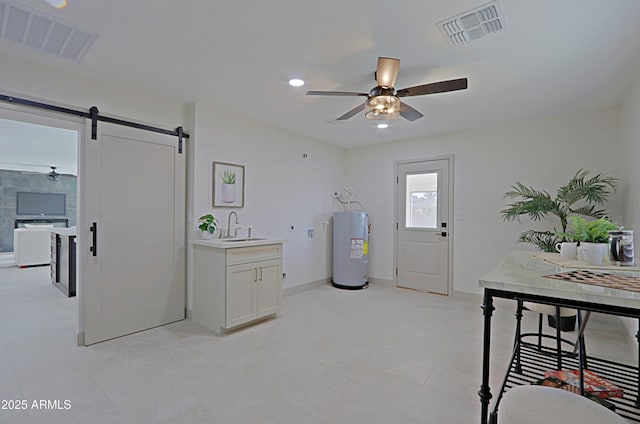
(281, 187)
(631, 178)
(28, 79)
(543, 153)
(631, 159)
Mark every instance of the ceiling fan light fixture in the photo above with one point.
(58, 4)
(382, 107)
(296, 82)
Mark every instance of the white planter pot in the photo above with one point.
(228, 193)
(206, 235)
(592, 253)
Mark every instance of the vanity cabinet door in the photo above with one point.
(268, 286)
(240, 294)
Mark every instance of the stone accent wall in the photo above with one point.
(12, 182)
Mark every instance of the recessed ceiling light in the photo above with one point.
(58, 4)
(296, 82)
(382, 125)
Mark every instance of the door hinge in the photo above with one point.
(396, 271)
(397, 227)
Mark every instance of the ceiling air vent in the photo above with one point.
(473, 24)
(37, 30)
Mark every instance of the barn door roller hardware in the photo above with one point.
(95, 116)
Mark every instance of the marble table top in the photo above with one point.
(522, 272)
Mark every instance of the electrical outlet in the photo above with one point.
(284, 275)
(310, 233)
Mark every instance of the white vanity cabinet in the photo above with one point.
(233, 286)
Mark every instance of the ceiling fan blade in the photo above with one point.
(387, 71)
(434, 87)
(409, 113)
(352, 112)
(335, 93)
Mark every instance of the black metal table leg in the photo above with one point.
(516, 343)
(485, 391)
(581, 353)
(558, 339)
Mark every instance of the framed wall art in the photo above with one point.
(228, 185)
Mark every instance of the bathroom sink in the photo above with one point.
(228, 243)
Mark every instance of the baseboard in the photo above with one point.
(80, 339)
(306, 286)
(381, 281)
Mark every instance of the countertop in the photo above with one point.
(521, 272)
(240, 242)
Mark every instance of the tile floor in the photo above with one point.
(381, 355)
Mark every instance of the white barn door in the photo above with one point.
(132, 275)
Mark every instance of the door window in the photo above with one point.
(422, 200)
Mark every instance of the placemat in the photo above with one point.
(555, 259)
(602, 279)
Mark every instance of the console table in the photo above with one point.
(63, 260)
(521, 277)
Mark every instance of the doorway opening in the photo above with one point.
(39, 202)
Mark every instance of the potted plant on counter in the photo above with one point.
(593, 237)
(208, 225)
(580, 195)
(594, 231)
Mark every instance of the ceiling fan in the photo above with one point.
(53, 175)
(383, 101)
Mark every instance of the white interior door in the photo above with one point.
(133, 271)
(422, 239)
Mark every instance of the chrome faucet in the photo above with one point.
(229, 224)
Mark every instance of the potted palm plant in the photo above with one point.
(208, 225)
(582, 195)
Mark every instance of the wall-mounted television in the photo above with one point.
(29, 203)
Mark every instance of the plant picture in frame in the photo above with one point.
(228, 185)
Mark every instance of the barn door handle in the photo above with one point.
(94, 247)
